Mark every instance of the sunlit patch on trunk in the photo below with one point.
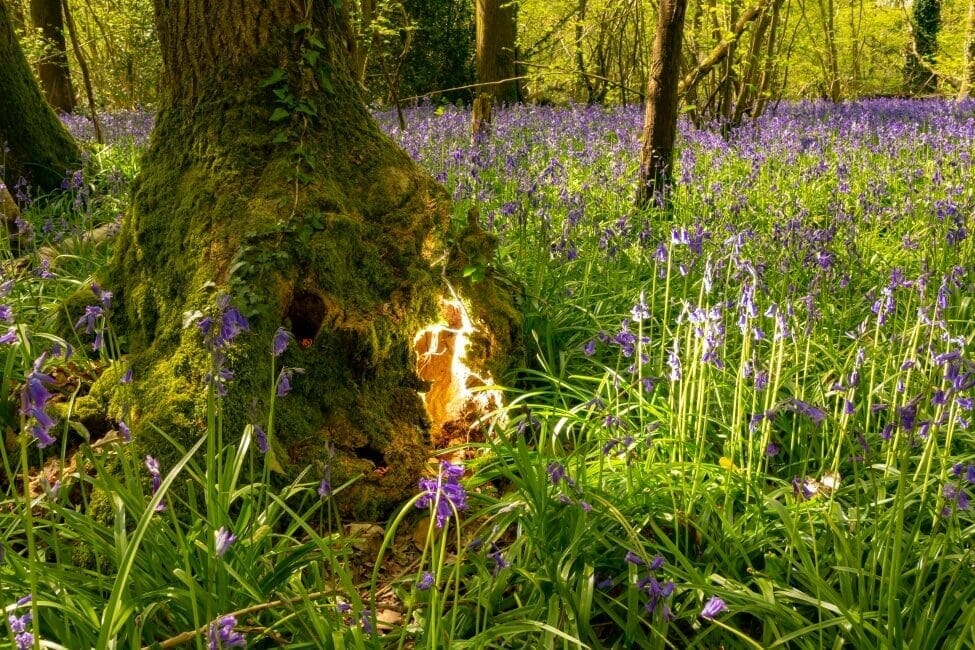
(458, 397)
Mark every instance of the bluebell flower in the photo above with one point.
(89, 319)
(34, 399)
(425, 581)
(260, 437)
(8, 337)
(633, 558)
(124, 431)
(366, 621)
(224, 540)
(153, 466)
(497, 557)
(712, 608)
(23, 637)
(104, 297)
(223, 635)
(281, 339)
(444, 493)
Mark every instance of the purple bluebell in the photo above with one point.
(8, 337)
(90, 318)
(712, 608)
(365, 620)
(221, 634)
(104, 297)
(444, 492)
(284, 381)
(34, 399)
(23, 637)
(152, 465)
(425, 581)
(282, 338)
(633, 558)
(497, 557)
(260, 438)
(224, 539)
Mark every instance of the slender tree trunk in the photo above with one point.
(968, 73)
(33, 142)
(497, 31)
(85, 73)
(267, 178)
(831, 72)
(660, 125)
(925, 25)
(53, 68)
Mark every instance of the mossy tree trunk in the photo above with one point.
(267, 177)
(53, 68)
(662, 104)
(38, 147)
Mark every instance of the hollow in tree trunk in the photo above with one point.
(496, 34)
(662, 107)
(33, 142)
(53, 67)
(266, 178)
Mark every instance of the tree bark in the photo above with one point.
(497, 31)
(267, 177)
(723, 49)
(925, 25)
(968, 73)
(53, 68)
(662, 108)
(33, 142)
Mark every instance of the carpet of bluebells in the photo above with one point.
(744, 418)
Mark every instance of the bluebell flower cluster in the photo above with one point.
(222, 634)
(34, 401)
(444, 493)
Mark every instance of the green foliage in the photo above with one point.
(118, 40)
(926, 23)
(442, 53)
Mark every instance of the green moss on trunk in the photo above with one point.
(314, 221)
(39, 147)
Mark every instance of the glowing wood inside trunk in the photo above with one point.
(457, 397)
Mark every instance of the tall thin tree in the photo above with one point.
(968, 72)
(53, 66)
(662, 105)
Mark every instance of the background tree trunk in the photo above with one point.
(660, 124)
(497, 31)
(38, 146)
(968, 72)
(53, 68)
(267, 176)
(925, 25)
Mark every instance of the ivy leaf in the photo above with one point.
(278, 114)
(276, 77)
